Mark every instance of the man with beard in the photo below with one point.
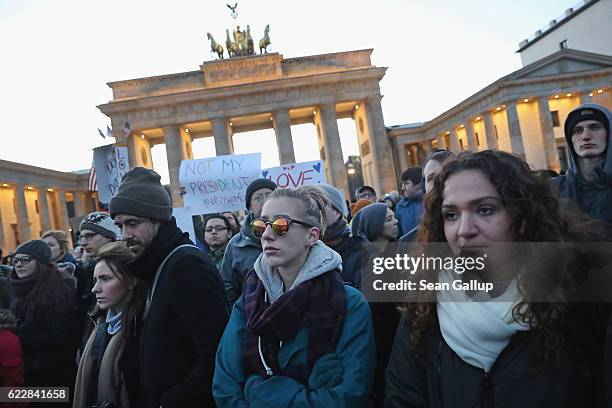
(243, 249)
(185, 312)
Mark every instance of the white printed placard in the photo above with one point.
(295, 175)
(219, 183)
(111, 163)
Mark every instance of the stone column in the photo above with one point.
(43, 210)
(585, 98)
(2, 241)
(223, 137)
(63, 212)
(79, 204)
(414, 156)
(174, 154)
(383, 169)
(548, 135)
(489, 130)
(455, 147)
(514, 128)
(441, 143)
(471, 138)
(401, 152)
(333, 149)
(427, 148)
(23, 221)
(132, 150)
(284, 141)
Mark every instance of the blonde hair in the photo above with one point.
(313, 202)
(61, 237)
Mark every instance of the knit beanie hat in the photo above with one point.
(369, 221)
(585, 112)
(36, 248)
(256, 185)
(335, 197)
(141, 194)
(361, 203)
(101, 223)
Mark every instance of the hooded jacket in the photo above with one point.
(340, 379)
(591, 197)
(240, 255)
(184, 323)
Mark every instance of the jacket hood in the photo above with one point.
(7, 320)
(320, 260)
(606, 170)
(247, 234)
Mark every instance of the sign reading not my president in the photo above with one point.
(219, 183)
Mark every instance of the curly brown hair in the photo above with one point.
(536, 217)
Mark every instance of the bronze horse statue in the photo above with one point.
(265, 41)
(215, 47)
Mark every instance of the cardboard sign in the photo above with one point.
(295, 175)
(184, 221)
(219, 183)
(111, 163)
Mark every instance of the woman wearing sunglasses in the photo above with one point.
(298, 335)
(46, 309)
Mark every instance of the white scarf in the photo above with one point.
(477, 331)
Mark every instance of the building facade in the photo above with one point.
(34, 200)
(267, 91)
(522, 113)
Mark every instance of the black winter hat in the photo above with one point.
(101, 223)
(141, 194)
(585, 113)
(36, 248)
(369, 221)
(256, 185)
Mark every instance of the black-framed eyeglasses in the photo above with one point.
(24, 260)
(218, 228)
(87, 236)
(366, 195)
(280, 225)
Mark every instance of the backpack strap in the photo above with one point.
(158, 273)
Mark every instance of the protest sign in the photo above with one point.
(295, 175)
(219, 183)
(111, 163)
(184, 221)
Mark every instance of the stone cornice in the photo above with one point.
(18, 173)
(243, 90)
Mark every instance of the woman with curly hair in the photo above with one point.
(46, 309)
(520, 344)
(108, 367)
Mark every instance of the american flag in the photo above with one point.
(93, 184)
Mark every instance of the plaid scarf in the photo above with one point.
(335, 233)
(321, 302)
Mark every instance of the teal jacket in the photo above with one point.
(340, 379)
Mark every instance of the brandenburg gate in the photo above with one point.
(246, 93)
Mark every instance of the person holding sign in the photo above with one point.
(298, 336)
(244, 248)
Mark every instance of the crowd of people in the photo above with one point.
(271, 312)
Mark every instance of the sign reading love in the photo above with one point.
(296, 174)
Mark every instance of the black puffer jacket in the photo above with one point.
(438, 378)
(182, 329)
(591, 197)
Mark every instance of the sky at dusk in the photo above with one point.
(57, 57)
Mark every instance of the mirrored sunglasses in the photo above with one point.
(280, 225)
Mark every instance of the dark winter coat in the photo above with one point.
(240, 255)
(591, 197)
(438, 377)
(184, 324)
(49, 345)
(355, 251)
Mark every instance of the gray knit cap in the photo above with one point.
(141, 194)
(370, 221)
(36, 248)
(335, 197)
(101, 223)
